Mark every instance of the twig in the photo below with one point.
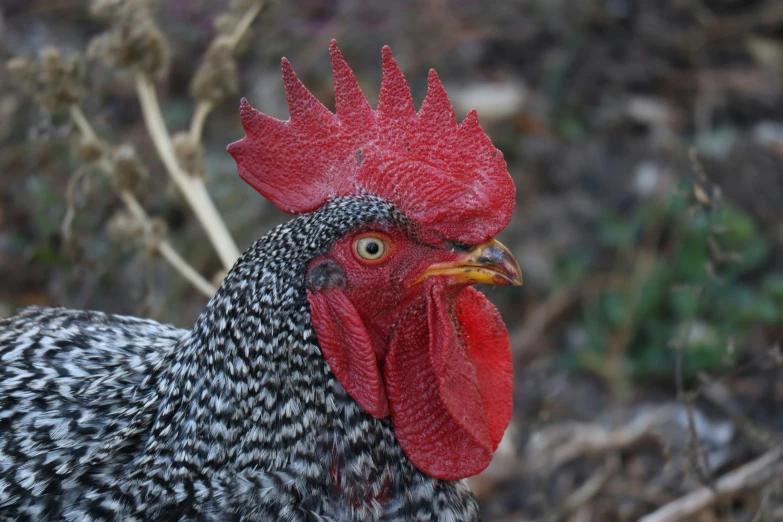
(200, 114)
(762, 510)
(720, 395)
(191, 187)
(137, 211)
(591, 488)
(204, 107)
(80, 120)
(244, 23)
(165, 249)
(697, 457)
(711, 204)
(528, 336)
(70, 197)
(546, 452)
(752, 475)
(187, 271)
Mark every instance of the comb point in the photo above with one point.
(471, 118)
(302, 105)
(350, 102)
(395, 100)
(437, 108)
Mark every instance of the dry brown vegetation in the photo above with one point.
(646, 142)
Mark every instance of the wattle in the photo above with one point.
(446, 377)
(448, 380)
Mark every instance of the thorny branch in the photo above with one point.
(189, 183)
(133, 41)
(165, 249)
(545, 450)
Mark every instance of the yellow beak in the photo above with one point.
(490, 263)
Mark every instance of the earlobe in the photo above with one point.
(347, 348)
(324, 274)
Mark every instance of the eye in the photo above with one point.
(370, 248)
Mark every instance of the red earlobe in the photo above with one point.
(347, 348)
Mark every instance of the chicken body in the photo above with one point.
(240, 418)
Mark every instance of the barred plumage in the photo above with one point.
(106, 417)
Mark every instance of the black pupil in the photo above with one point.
(372, 248)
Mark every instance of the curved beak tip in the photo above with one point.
(490, 263)
(494, 256)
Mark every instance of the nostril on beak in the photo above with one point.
(493, 255)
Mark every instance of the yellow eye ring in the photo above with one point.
(370, 247)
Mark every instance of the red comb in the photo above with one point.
(447, 177)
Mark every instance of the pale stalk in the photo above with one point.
(754, 475)
(81, 123)
(191, 187)
(137, 211)
(200, 114)
(245, 23)
(203, 108)
(165, 249)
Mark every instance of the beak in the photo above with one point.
(489, 263)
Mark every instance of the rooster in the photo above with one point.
(346, 369)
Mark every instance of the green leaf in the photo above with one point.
(616, 308)
(773, 286)
(684, 301)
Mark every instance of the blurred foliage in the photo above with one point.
(698, 290)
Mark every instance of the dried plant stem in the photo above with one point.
(191, 187)
(200, 114)
(165, 249)
(187, 271)
(137, 211)
(753, 475)
(587, 491)
(80, 120)
(204, 107)
(70, 213)
(245, 22)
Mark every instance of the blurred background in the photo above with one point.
(646, 142)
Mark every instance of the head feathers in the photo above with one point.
(446, 177)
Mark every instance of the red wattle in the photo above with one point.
(489, 350)
(443, 416)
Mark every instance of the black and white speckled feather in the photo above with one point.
(114, 418)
